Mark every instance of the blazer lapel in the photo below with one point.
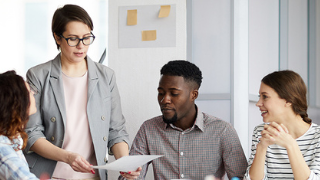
(92, 77)
(57, 86)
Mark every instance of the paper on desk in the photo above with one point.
(128, 163)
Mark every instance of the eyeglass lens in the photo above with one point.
(75, 41)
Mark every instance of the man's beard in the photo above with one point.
(172, 120)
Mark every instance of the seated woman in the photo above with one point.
(286, 146)
(16, 104)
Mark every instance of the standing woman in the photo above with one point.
(79, 118)
(287, 145)
(16, 104)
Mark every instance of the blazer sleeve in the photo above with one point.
(117, 128)
(34, 127)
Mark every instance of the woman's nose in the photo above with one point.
(258, 104)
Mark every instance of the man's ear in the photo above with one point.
(194, 94)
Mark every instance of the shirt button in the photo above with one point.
(181, 153)
(181, 175)
(102, 118)
(182, 133)
(53, 119)
(104, 138)
(105, 160)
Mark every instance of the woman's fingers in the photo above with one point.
(270, 130)
(267, 136)
(78, 163)
(131, 174)
(275, 128)
(284, 128)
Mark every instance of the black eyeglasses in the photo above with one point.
(74, 41)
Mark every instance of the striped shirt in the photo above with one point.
(277, 164)
(210, 147)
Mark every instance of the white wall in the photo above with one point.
(298, 38)
(211, 52)
(263, 52)
(138, 69)
(12, 29)
(263, 41)
(317, 49)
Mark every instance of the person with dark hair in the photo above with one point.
(80, 118)
(17, 103)
(287, 145)
(194, 144)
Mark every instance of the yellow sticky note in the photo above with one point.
(132, 17)
(149, 35)
(164, 11)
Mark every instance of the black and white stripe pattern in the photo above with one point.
(277, 165)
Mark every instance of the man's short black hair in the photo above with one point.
(186, 69)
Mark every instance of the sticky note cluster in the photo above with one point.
(147, 35)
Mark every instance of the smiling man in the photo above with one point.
(194, 144)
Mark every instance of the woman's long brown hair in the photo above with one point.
(14, 106)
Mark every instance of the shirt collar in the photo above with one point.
(199, 120)
(16, 143)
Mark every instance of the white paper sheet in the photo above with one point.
(128, 163)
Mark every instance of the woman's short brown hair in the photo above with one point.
(290, 86)
(14, 106)
(66, 14)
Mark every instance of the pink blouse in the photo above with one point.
(77, 136)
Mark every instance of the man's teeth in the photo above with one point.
(262, 112)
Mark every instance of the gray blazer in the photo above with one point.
(107, 124)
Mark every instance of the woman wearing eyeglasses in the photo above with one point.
(79, 118)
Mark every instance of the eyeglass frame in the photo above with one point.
(67, 39)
